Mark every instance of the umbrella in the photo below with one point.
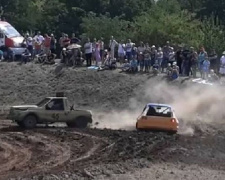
(74, 46)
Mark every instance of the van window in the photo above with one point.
(1, 35)
(10, 31)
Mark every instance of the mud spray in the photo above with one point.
(193, 104)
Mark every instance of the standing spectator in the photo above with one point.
(121, 51)
(38, 43)
(179, 59)
(194, 62)
(102, 48)
(222, 65)
(47, 43)
(129, 47)
(147, 60)
(166, 51)
(201, 58)
(153, 55)
(66, 41)
(61, 41)
(29, 43)
(213, 60)
(97, 54)
(171, 56)
(74, 39)
(112, 45)
(160, 58)
(88, 52)
(93, 49)
(53, 44)
(186, 65)
(140, 50)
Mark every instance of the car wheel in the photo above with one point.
(30, 122)
(82, 122)
(20, 123)
(71, 124)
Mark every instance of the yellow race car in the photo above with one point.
(158, 117)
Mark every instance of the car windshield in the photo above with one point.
(10, 31)
(43, 102)
(163, 111)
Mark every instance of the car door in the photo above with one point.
(54, 111)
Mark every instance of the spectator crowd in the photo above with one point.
(130, 57)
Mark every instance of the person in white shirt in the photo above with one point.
(39, 38)
(112, 45)
(121, 52)
(88, 52)
(129, 47)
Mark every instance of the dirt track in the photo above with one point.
(63, 153)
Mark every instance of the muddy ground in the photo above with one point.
(58, 152)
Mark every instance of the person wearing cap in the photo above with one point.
(171, 56)
(153, 55)
(222, 65)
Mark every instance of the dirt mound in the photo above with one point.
(86, 88)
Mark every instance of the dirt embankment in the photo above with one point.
(63, 153)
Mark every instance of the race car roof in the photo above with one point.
(162, 105)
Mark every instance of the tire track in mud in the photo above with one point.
(30, 152)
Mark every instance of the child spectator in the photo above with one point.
(213, 76)
(126, 66)
(169, 70)
(205, 68)
(175, 71)
(134, 64)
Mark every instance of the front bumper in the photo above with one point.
(18, 51)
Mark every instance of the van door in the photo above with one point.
(2, 39)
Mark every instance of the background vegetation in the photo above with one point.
(191, 22)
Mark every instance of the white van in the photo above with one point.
(10, 39)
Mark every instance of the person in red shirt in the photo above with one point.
(66, 41)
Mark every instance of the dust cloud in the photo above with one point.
(193, 103)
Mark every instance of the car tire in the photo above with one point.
(30, 122)
(172, 132)
(71, 124)
(20, 123)
(82, 122)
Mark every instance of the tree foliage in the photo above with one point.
(192, 22)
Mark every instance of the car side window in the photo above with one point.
(55, 104)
